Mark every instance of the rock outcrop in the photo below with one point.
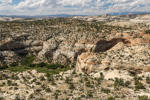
(55, 51)
(68, 43)
(131, 58)
(110, 58)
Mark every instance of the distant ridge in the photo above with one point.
(127, 13)
(42, 16)
(67, 15)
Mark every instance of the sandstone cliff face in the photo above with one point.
(131, 58)
(68, 41)
(55, 51)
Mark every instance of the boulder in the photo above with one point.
(86, 62)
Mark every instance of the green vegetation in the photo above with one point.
(79, 98)
(110, 98)
(42, 78)
(143, 97)
(3, 67)
(48, 90)
(100, 79)
(68, 80)
(88, 84)
(28, 60)
(71, 86)
(3, 84)
(118, 82)
(1, 98)
(89, 94)
(56, 94)
(148, 80)
(53, 25)
(27, 64)
(39, 69)
(9, 82)
(41, 99)
(105, 90)
(147, 31)
(138, 84)
(53, 83)
(38, 90)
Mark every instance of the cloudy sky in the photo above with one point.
(82, 7)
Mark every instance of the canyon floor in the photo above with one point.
(81, 58)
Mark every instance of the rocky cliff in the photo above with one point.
(70, 38)
(110, 53)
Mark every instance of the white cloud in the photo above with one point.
(29, 4)
(74, 6)
(6, 1)
(75, 2)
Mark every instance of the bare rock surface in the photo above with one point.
(110, 54)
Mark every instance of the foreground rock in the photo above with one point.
(68, 85)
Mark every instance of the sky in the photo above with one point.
(73, 7)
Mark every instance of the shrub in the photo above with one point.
(89, 94)
(53, 83)
(4, 66)
(14, 64)
(31, 96)
(3, 84)
(41, 99)
(1, 98)
(79, 98)
(14, 84)
(105, 90)
(101, 76)
(81, 80)
(99, 80)
(147, 31)
(143, 97)
(56, 94)
(43, 86)
(48, 90)
(32, 65)
(68, 80)
(110, 98)
(74, 72)
(15, 77)
(50, 78)
(42, 78)
(138, 84)
(127, 83)
(9, 82)
(55, 66)
(82, 96)
(88, 84)
(118, 82)
(34, 80)
(42, 64)
(148, 80)
(38, 83)
(86, 79)
(48, 75)
(38, 90)
(71, 86)
(15, 88)
(28, 60)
